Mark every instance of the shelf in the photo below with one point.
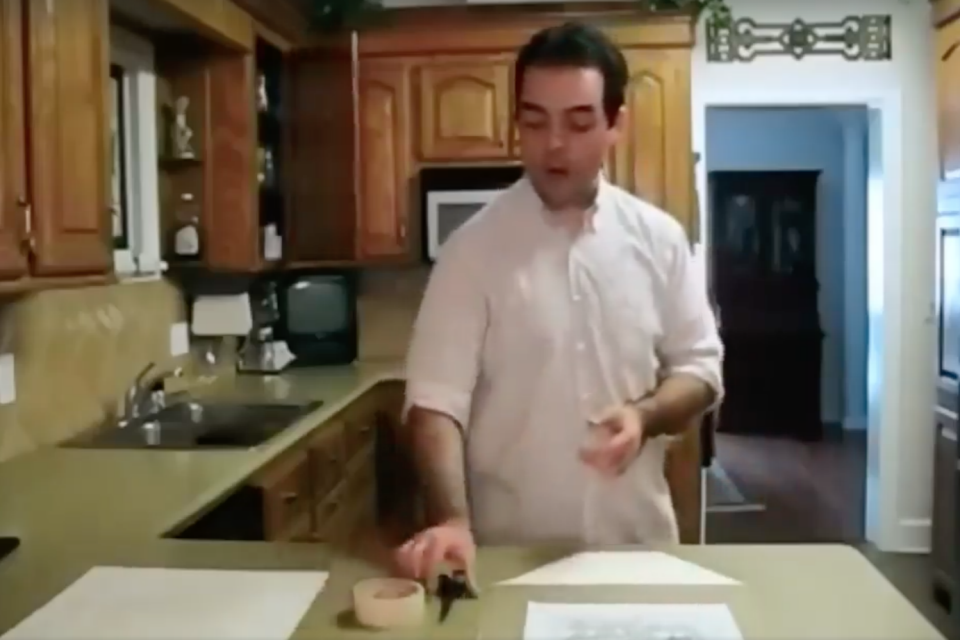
(179, 163)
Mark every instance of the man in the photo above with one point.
(563, 339)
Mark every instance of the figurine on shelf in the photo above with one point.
(182, 134)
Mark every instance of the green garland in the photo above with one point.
(336, 15)
(717, 11)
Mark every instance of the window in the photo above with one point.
(134, 200)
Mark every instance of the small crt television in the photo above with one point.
(318, 317)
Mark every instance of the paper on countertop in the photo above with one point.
(621, 568)
(135, 604)
(556, 621)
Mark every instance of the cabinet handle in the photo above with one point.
(949, 434)
(29, 242)
(403, 231)
(289, 497)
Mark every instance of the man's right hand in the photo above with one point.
(450, 542)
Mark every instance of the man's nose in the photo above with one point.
(556, 140)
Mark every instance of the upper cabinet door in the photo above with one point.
(465, 108)
(385, 199)
(653, 158)
(323, 169)
(948, 96)
(68, 50)
(13, 195)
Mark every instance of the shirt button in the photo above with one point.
(581, 346)
(576, 298)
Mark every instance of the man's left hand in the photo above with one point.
(616, 440)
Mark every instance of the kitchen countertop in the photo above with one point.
(70, 504)
(78, 508)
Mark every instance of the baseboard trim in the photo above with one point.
(912, 535)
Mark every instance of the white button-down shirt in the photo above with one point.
(528, 330)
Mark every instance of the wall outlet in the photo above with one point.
(8, 385)
(179, 339)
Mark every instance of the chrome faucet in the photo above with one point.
(138, 399)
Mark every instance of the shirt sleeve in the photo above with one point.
(691, 342)
(443, 361)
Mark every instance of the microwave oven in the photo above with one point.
(452, 195)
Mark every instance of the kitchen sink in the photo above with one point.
(197, 425)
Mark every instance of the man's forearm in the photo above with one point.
(674, 405)
(437, 446)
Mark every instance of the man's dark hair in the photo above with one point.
(576, 45)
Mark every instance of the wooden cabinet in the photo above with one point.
(385, 181)
(325, 490)
(53, 201)
(465, 108)
(653, 159)
(948, 92)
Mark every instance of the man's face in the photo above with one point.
(564, 133)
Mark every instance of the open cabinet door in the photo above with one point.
(323, 155)
(68, 64)
(13, 189)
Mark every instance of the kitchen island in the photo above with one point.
(78, 508)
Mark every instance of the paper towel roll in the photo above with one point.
(389, 603)
(222, 315)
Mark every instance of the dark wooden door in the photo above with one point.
(764, 275)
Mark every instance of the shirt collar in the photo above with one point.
(592, 215)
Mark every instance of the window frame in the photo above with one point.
(139, 172)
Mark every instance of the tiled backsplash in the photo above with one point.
(77, 350)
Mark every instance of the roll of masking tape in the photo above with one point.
(389, 603)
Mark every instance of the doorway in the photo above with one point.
(787, 208)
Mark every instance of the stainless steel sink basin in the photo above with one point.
(197, 425)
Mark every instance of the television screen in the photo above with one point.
(317, 306)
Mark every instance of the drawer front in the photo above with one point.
(286, 495)
(327, 460)
(358, 434)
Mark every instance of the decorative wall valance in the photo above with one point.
(854, 38)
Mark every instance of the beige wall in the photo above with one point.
(389, 299)
(76, 350)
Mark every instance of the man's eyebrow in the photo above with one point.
(530, 106)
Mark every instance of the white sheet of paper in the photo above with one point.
(621, 568)
(110, 603)
(555, 621)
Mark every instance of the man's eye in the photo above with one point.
(533, 124)
(582, 125)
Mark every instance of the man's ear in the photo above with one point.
(618, 125)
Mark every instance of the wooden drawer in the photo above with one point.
(358, 434)
(327, 460)
(286, 494)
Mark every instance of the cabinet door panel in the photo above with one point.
(68, 47)
(385, 156)
(465, 108)
(653, 159)
(323, 159)
(13, 260)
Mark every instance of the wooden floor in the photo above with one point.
(813, 493)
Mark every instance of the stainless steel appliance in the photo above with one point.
(451, 195)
